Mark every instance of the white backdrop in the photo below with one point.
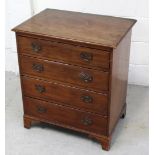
(20, 10)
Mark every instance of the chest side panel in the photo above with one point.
(119, 79)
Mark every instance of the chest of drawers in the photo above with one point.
(74, 70)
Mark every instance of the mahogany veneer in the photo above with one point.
(74, 70)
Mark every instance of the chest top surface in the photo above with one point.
(76, 26)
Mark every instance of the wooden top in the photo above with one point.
(79, 27)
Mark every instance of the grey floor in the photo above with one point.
(129, 138)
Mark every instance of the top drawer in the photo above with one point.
(64, 52)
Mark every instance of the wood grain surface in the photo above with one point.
(79, 27)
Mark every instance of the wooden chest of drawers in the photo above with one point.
(74, 70)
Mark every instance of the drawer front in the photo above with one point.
(59, 114)
(64, 52)
(49, 91)
(87, 78)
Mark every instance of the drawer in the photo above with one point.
(87, 78)
(66, 116)
(64, 52)
(77, 98)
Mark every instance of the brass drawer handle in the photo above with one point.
(35, 47)
(87, 99)
(38, 67)
(85, 77)
(40, 88)
(86, 121)
(86, 56)
(41, 109)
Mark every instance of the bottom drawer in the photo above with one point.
(66, 116)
